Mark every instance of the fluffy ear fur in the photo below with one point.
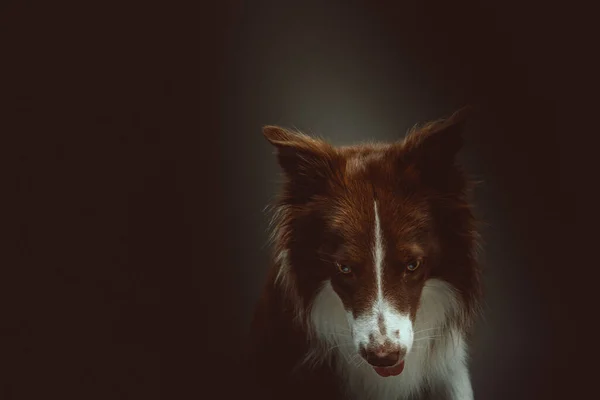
(432, 149)
(308, 163)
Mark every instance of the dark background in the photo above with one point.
(137, 177)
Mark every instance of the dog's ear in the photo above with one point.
(433, 148)
(437, 143)
(307, 162)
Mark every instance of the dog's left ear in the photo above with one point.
(432, 150)
(436, 144)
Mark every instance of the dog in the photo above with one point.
(375, 284)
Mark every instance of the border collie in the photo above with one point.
(375, 283)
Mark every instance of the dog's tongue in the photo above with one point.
(390, 371)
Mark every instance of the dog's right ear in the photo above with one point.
(306, 161)
(297, 153)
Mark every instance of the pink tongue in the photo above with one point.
(390, 371)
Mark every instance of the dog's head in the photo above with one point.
(369, 225)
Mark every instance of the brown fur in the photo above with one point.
(325, 215)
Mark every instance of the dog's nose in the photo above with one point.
(383, 356)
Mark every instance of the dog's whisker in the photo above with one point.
(336, 346)
(428, 337)
(358, 360)
(336, 326)
(425, 330)
(330, 334)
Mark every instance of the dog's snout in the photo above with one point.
(383, 355)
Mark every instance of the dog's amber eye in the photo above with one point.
(413, 265)
(344, 269)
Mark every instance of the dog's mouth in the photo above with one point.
(390, 371)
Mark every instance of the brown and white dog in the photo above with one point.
(375, 282)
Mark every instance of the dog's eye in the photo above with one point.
(413, 265)
(344, 269)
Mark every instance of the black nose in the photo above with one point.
(383, 356)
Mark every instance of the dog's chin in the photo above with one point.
(390, 371)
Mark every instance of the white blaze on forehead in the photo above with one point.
(382, 322)
(378, 255)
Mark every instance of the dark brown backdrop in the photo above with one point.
(138, 174)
